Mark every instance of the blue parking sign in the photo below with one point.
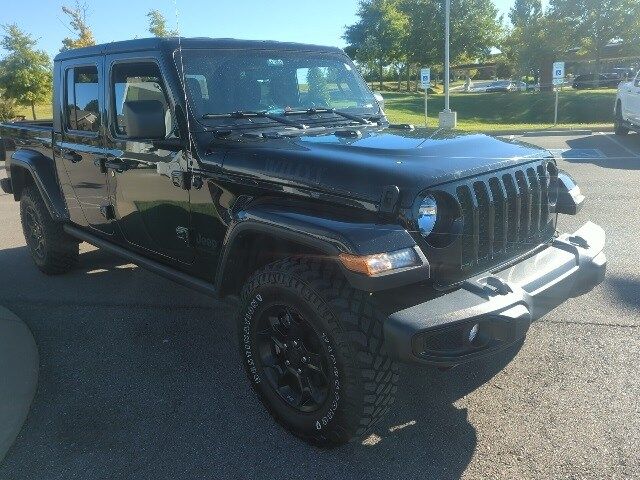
(558, 70)
(425, 78)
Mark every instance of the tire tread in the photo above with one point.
(323, 285)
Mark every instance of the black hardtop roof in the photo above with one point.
(170, 44)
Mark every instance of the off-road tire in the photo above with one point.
(352, 327)
(58, 252)
(618, 125)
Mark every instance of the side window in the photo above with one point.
(137, 82)
(83, 109)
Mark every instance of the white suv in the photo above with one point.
(627, 109)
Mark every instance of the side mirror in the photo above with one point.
(380, 99)
(145, 119)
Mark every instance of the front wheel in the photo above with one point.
(312, 348)
(618, 125)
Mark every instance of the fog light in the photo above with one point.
(473, 333)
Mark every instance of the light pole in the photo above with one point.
(447, 39)
(448, 119)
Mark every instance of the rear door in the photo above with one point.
(152, 208)
(80, 145)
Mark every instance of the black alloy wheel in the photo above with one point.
(294, 358)
(34, 232)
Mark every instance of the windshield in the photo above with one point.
(220, 82)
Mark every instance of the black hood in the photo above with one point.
(360, 167)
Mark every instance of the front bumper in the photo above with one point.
(494, 310)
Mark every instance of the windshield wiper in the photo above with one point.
(253, 114)
(315, 110)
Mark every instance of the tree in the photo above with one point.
(536, 40)
(593, 24)
(8, 107)
(158, 25)
(475, 29)
(379, 34)
(318, 88)
(78, 21)
(25, 73)
(524, 11)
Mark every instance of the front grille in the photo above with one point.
(504, 215)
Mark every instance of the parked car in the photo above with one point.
(346, 243)
(627, 109)
(521, 86)
(624, 73)
(501, 86)
(593, 80)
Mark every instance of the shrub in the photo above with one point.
(8, 108)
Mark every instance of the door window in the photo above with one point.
(83, 107)
(134, 82)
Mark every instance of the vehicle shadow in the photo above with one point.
(141, 378)
(625, 289)
(614, 156)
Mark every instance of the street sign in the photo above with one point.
(558, 73)
(558, 80)
(425, 78)
(425, 82)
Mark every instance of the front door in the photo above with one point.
(633, 96)
(80, 145)
(151, 205)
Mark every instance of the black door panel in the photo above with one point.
(80, 146)
(152, 212)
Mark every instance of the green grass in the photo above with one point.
(507, 111)
(43, 112)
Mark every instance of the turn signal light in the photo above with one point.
(372, 265)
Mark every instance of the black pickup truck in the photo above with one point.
(267, 173)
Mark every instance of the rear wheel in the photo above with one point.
(312, 348)
(618, 125)
(53, 251)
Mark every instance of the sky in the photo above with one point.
(320, 22)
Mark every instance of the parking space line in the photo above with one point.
(619, 144)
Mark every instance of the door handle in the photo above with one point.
(72, 156)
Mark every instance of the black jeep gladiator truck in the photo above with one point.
(267, 173)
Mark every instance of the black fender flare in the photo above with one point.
(43, 173)
(328, 236)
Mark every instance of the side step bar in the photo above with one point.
(143, 262)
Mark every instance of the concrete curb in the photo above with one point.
(557, 133)
(547, 132)
(18, 376)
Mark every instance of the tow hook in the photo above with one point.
(494, 286)
(578, 241)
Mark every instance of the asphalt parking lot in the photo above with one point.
(140, 378)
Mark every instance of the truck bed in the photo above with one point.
(24, 134)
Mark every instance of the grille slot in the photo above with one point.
(504, 215)
(469, 237)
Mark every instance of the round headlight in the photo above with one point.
(427, 215)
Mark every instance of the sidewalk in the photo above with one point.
(18, 376)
